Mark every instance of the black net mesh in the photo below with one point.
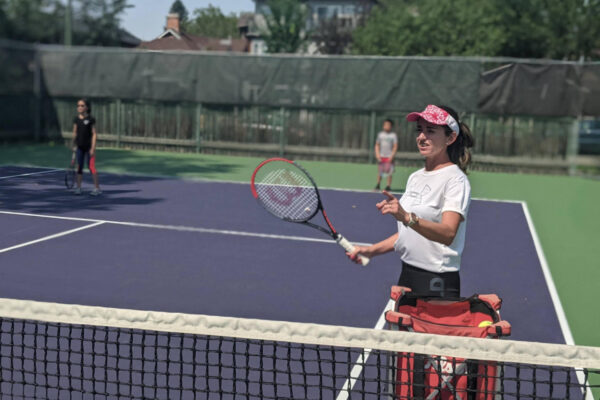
(41, 360)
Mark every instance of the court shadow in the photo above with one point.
(46, 192)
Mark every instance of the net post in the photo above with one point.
(197, 123)
(573, 145)
(371, 136)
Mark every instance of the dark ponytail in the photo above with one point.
(458, 151)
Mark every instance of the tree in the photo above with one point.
(210, 21)
(561, 29)
(179, 8)
(332, 37)
(286, 25)
(429, 27)
(97, 22)
(5, 27)
(32, 20)
(572, 28)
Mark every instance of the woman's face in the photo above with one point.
(431, 138)
(81, 107)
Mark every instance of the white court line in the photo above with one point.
(333, 189)
(182, 228)
(31, 173)
(362, 358)
(560, 312)
(52, 236)
(209, 180)
(558, 308)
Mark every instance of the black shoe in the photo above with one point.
(377, 187)
(388, 188)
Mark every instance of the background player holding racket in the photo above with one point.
(432, 213)
(84, 139)
(385, 150)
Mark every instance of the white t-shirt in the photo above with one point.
(386, 141)
(429, 194)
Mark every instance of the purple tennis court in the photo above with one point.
(202, 247)
(207, 247)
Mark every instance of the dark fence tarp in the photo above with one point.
(17, 68)
(541, 89)
(591, 90)
(310, 82)
(535, 88)
(17, 91)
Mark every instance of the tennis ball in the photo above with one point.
(307, 209)
(484, 323)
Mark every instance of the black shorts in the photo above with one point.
(430, 284)
(82, 155)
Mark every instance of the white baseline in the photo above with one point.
(56, 235)
(182, 228)
(31, 173)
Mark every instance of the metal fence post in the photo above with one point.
(37, 93)
(371, 137)
(198, 121)
(119, 126)
(282, 132)
(177, 120)
(333, 130)
(147, 121)
(573, 145)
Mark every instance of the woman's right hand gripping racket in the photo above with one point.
(288, 192)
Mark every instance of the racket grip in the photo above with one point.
(342, 241)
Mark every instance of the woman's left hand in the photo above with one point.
(392, 206)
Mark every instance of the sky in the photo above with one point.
(147, 18)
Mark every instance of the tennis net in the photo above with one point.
(58, 351)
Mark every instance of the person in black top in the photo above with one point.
(84, 140)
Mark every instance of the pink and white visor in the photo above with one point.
(435, 115)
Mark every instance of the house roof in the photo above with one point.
(171, 40)
(254, 24)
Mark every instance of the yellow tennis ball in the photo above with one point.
(484, 323)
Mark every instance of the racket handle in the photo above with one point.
(342, 241)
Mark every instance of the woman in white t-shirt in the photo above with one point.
(432, 213)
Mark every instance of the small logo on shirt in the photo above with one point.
(417, 198)
(86, 121)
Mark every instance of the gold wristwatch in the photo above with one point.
(414, 219)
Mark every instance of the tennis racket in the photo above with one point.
(288, 192)
(70, 173)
